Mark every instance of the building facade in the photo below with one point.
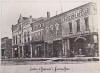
(21, 37)
(6, 48)
(38, 43)
(69, 34)
(73, 33)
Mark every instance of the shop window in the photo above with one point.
(78, 25)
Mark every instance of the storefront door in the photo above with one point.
(80, 45)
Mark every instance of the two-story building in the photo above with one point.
(69, 34)
(37, 34)
(73, 33)
(6, 48)
(21, 37)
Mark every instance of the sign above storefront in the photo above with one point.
(75, 14)
(78, 34)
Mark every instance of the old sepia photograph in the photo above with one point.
(49, 36)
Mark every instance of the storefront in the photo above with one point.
(15, 51)
(27, 51)
(83, 45)
(38, 49)
(57, 48)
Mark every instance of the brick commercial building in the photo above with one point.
(6, 48)
(37, 42)
(69, 34)
(22, 34)
(73, 33)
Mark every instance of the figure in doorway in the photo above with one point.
(72, 53)
(80, 51)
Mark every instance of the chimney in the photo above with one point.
(30, 16)
(48, 14)
(30, 19)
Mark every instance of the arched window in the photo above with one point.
(86, 23)
(20, 38)
(70, 26)
(16, 39)
(24, 36)
(78, 25)
(28, 35)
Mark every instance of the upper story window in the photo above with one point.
(28, 35)
(47, 29)
(70, 26)
(20, 38)
(86, 23)
(16, 39)
(57, 28)
(32, 26)
(25, 37)
(51, 27)
(78, 25)
(19, 27)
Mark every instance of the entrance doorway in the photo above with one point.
(39, 52)
(80, 45)
(57, 48)
(26, 51)
(16, 52)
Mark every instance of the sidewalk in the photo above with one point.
(55, 59)
(40, 61)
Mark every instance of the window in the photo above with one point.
(51, 27)
(19, 27)
(78, 25)
(57, 26)
(86, 23)
(20, 38)
(32, 38)
(25, 37)
(31, 26)
(16, 39)
(28, 35)
(70, 26)
(2, 52)
(47, 29)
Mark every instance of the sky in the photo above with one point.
(11, 9)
